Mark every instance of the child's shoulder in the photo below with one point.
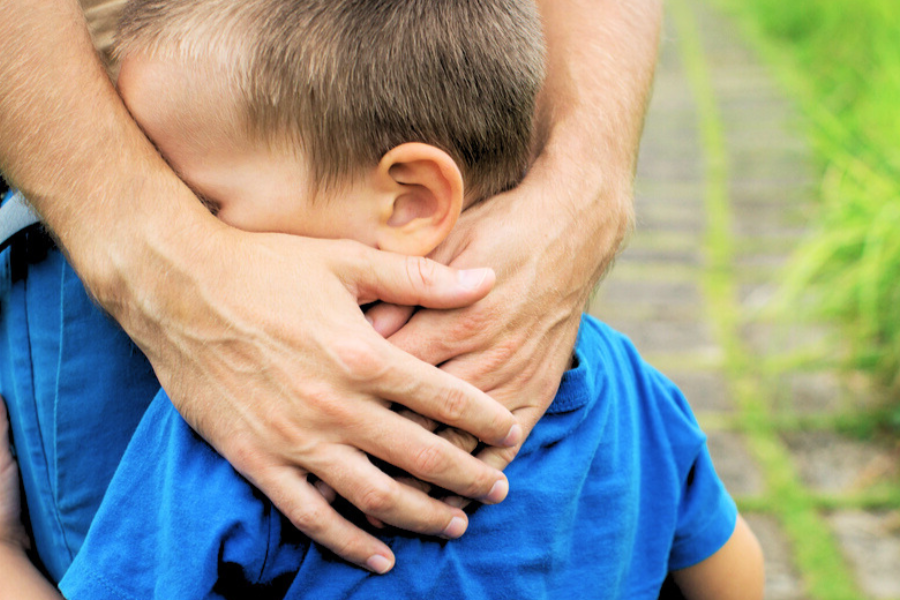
(613, 360)
(618, 374)
(597, 340)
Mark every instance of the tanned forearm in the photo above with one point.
(68, 143)
(600, 64)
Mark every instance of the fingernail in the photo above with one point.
(471, 278)
(379, 564)
(455, 529)
(455, 501)
(498, 492)
(514, 436)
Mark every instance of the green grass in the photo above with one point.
(816, 553)
(841, 58)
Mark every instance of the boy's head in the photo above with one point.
(316, 116)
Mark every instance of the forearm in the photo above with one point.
(600, 62)
(67, 141)
(20, 579)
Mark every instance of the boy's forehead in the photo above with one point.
(179, 106)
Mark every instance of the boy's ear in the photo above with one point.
(422, 194)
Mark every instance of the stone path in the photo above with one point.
(725, 191)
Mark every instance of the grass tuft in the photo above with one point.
(842, 58)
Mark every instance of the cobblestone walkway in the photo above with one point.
(725, 190)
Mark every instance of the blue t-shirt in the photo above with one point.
(613, 489)
(76, 388)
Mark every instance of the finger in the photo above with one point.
(457, 502)
(432, 393)
(499, 458)
(423, 455)
(390, 374)
(462, 440)
(409, 482)
(375, 522)
(411, 280)
(311, 513)
(415, 484)
(388, 501)
(388, 319)
(327, 492)
(423, 422)
(431, 336)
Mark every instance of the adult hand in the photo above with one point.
(515, 343)
(267, 354)
(550, 239)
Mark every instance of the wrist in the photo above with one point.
(145, 272)
(591, 203)
(145, 224)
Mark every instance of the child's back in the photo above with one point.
(613, 489)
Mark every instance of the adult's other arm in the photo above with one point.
(258, 339)
(551, 238)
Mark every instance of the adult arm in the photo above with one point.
(550, 239)
(258, 339)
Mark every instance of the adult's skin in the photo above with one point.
(258, 338)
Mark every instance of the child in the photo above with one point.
(394, 121)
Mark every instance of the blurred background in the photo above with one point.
(764, 272)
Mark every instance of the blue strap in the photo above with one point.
(16, 215)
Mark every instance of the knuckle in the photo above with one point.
(453, 406)
(429, 460)
(323, 406)
(244, 454)
(480, 484)
(473, 322)
(503, 456)
(377, 499)
(472, 328)
(461, 439)
(481, 320)
(310, 519)
(421, 271)
(502, 352)
(358, 360)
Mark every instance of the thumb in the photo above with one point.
(414, 280)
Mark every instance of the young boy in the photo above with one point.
(394, 120)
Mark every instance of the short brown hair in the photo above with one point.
(350, 79)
